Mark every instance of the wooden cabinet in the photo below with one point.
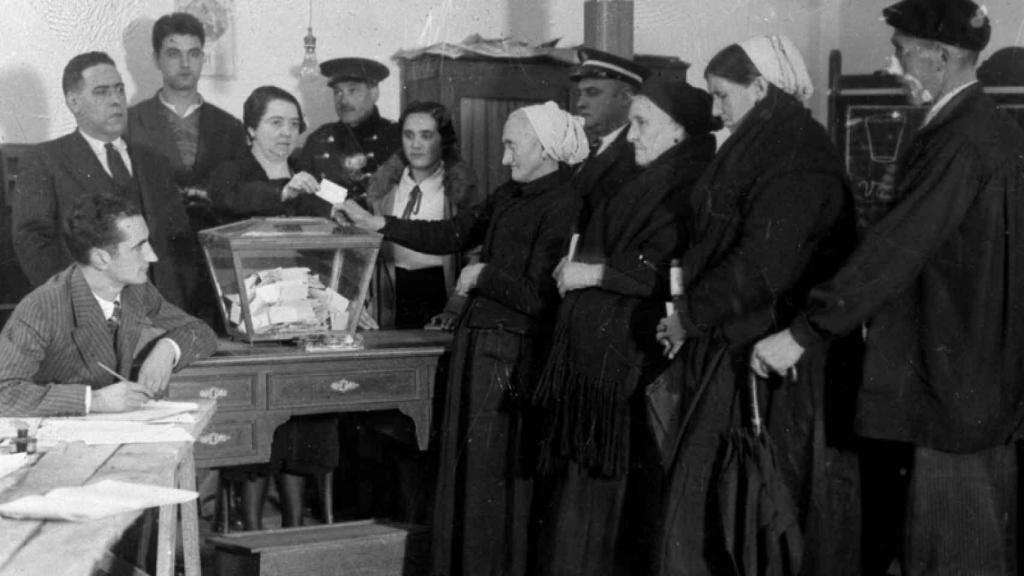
(258, 387)
(480, 93)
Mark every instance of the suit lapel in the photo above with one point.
(84, 166)
(90, 333)
(132, 317)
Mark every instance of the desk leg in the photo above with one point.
(189, 516)
(166, 539)
(420, 413)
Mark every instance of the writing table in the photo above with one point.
(76, 548)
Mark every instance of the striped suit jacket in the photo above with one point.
(51, 346)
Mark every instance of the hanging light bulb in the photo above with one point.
(309, 69)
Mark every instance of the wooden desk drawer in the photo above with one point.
(341, 386)
(229, 438)
(240, 391)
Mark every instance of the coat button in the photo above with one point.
(369, 154)
(325, 155)
(372, 138)
(330, 139)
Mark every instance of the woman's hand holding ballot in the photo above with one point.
(576, 275)
(670, 335)
(358, 216)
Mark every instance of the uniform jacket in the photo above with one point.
(221, 137)
(328, 147)
(55, 173)
(603, 175)
(51, 347)
(940, 283)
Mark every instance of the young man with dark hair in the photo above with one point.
(194, 135)
(95, 159)
(99, 311)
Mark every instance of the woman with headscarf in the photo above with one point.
(484, 483)
(614, 289)
(771, 217)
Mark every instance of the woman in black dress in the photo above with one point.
(264, 181)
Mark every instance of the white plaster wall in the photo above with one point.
(694, 30)
(38, 37)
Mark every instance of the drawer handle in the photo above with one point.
(214, 438)
(344, 385)
(213, 393)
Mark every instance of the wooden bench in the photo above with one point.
(361, 548)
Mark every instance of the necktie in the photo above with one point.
(413, 205)
(117, 168)
(595, 145)
(115, 317)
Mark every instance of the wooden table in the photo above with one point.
(76, 548)
(259, 386)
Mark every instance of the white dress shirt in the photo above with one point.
(99, 148)
(431, 208)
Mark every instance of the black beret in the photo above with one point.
(686, 104)
(354, 70)
(598, 64)
(960, 23)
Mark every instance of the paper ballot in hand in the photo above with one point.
(331, 192)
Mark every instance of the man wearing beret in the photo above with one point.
(605, 85)
(939, 286)
(348, 151)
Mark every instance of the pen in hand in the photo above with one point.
(117, 375)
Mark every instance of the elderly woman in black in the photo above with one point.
(264, 181)
(484, 492)
(771, 217)
(604, 349)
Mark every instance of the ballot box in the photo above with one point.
(291, 278)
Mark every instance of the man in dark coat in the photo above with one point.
(100, 311)
(938, 286)
(605, 85)
(350, 150)
(95, 159)
(177, 123)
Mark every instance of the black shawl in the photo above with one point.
(604, 337)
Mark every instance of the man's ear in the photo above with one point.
(374, 93)
(71, 99)
(99, 258)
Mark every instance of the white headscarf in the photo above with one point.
(561, 134)
(779, 61)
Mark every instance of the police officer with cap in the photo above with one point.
(604, 87)
(939, 286)
(348, 151)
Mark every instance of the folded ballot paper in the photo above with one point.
(282, 299)
(332, 192)
(104, 498)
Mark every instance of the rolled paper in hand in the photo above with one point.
(574, 240)
(670, 309)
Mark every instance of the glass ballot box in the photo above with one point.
(291, 278)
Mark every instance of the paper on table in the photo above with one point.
(95, 432)
(11, 462)
(331, 192)
(152, 410)
(97, 500)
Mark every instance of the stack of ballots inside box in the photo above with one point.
(288, 299)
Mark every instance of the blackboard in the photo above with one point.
(873, 126)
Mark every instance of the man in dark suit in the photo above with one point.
(350, 150)
(95, 159)
(605, 85)
(192, 134)
(99, 311)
